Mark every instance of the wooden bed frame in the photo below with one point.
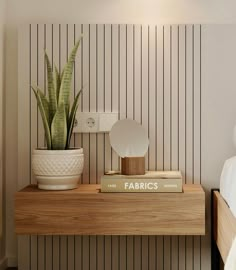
(223, 229)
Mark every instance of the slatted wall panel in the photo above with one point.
(148, 73)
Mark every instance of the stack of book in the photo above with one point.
(152, 181)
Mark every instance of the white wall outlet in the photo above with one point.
(86, 122)
(94, 122)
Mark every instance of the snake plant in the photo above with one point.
(57, 115)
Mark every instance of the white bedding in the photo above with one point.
(228, 183)
(231, 259)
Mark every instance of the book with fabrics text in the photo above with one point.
(152, 181)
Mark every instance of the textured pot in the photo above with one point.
(58, 169)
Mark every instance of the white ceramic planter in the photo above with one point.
(58, 169)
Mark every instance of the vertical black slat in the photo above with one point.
(104, 107)
(156, 252)
(52, 61)
(111, 252)
(141, 77)
(60, 72)
(89, 239)
(111, 66)
(67, 252)
(82, 64)
(133, 71)
(215, 254)
(37, 79)
(89, 150)
(163, 126)
(37, 83)
(126, 235)
(111, 95)
(148, 95)
(193, 159)
(119, 253)
(178, 94)
(74, 73)
(119, 89)
(126, 63)
(52, 48)
(74, 29)
(171, 97)
(104, 251)
(171, 125)
(81, 252)
(96, 257)
(104, 100)
(200, 103)
(45, 251)
(178, 123)
(96, 106)
(185, 59)
(148, 239)
(134, 251)
(156, 98)
(67, 41)
(148, 119)
(60, 48)
(141, 114)
(45, 39)
(82, 80)
(81, 98)
(74, 32)
(193, 90)
(30, 75)
(200, 129)
(141, 252)
(111, 111)
(126, 86)
(119, 70)
(30, 125)
(163, 92)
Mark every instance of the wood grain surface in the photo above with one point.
(224, 225)
(133, 166)
(86, 211)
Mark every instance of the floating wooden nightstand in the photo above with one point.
(86, 211)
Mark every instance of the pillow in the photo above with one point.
(228, 183)
(227, 176)
(231, 259)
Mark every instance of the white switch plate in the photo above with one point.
(90, 122)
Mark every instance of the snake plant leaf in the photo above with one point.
(64, 95)
(62, 73)
(59, 129)
(57, 79)
(51, 89)
(43, 110)
(71, 120)
(71, 128)
(44, 101)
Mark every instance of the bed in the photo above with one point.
(223, 229)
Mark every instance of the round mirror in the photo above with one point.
(129, 139)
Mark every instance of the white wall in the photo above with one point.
(122, 11)
(88, 11)
(2, 203)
